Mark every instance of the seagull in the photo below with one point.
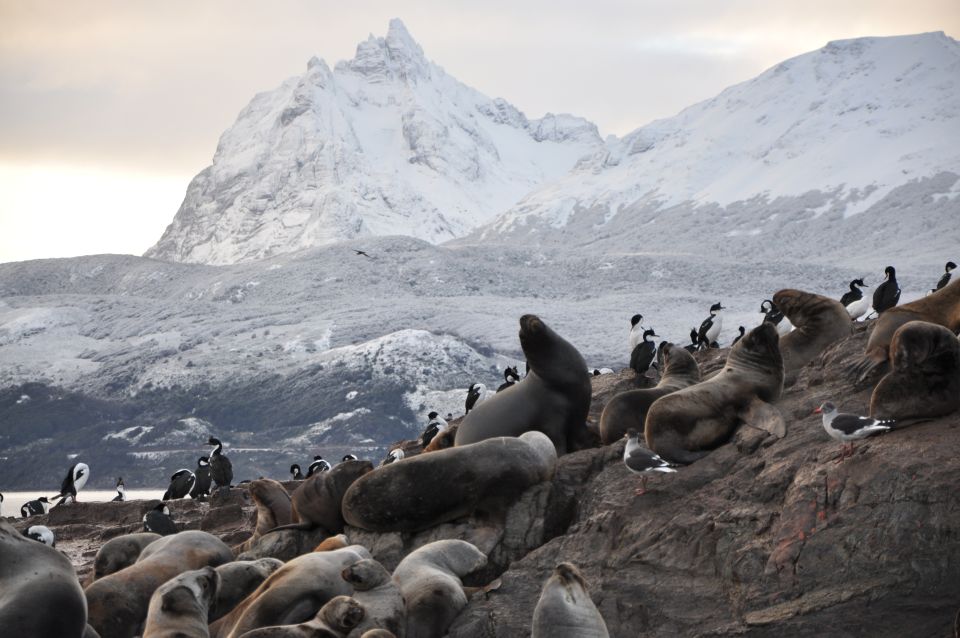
(847, 428)
(640, 460)
(360, 252)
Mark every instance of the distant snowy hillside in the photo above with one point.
(385, 144)
(788, 163)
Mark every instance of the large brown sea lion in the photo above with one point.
(565, 609)
(237, 581)
(418, 493)
(181, 605)
(39, 591)
(380, 596)
(429, 580)
(924, 381)
(554, 397)
(941, 307)
(628, 410)
(684, 426)
(817, 322)
(317, 502)
(118, 602)
(293, 593)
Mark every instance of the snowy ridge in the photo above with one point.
(833, 132)
(385, 144)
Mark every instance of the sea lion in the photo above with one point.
(317, 502)
(39, 592)
(628, 410)
(237, 581)
(817, 322)
(338, 617)
(293, 593)
(684, 426)
(118, 602)
(565, 609)
(925, 378)
(274, 509)
(403, 496)
(941, 307)
(334, 542)
(379, 595)
(429, 580)
(181, 605)
(554, 397)
(120, 552)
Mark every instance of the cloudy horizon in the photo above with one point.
(109, 110)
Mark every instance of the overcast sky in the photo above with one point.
(107, 109)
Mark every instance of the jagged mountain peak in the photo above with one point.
(386, 143)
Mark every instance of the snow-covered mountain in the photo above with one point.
(384, 144)
(843, 152)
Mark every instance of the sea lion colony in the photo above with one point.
(191, 583)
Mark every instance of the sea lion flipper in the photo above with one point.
(764, 416)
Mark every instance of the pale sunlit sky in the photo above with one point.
(108, 108)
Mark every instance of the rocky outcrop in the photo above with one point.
(763, 537)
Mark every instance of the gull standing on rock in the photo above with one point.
(848, 428)
(640, 460)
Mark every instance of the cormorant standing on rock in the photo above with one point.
(295, 473)
(945, 279)
(710, 328)
(475, 394)
(221, 469)
(743, 331)
(510, 376)
(41, 534)
(636, 331)
(201, 488)
(76, 478)
(854, 294)
(887, 294)
(694, 341)
(644, 354)
(121, 491)
(436, 425)
(318, 465)
(35, 507)
(181, 483)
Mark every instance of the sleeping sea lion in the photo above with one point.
(120, 552)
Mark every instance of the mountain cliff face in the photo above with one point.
(838, 153)
(384, 144)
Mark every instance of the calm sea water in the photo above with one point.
(13, 500)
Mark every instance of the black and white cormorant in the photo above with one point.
(35, 507)
(76, 478)
(475, 394)
(510, 376)
(41, 534)
(221, 469)
(318, 465)
(887, 294)
(158, 521)
(854, 294)
(694, 344)
(710, 328)
(945, 279)
(295, 473)
(640, 460)
(121, 491)
(201, 488)
(772, 314)
(645, 352)
(743, 331)
(636, 331)
(394, 455)
(435, 426)
(181, 483)
(349, 457)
